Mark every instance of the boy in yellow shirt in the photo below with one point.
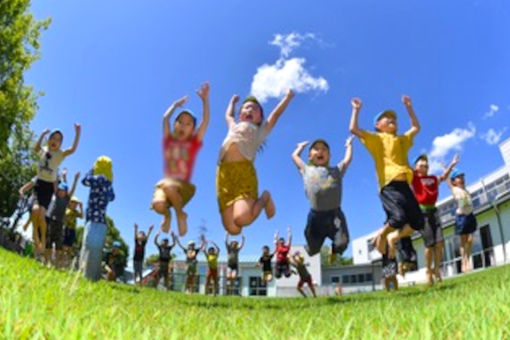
(389, 151)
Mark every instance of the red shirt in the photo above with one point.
(179, 157)
(282, 252)
(426, 188)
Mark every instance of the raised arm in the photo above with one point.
(75, 182)
(226, 240)
(156, 239)
(80, 213)
(353, 125)
(37, 146)
(231, 111)
(275, 239)
(179, 243)
(415, 125)
(243, 240)
(289, 237)
(348, 153)
(203, 93)
(150, 231)
(77, 133)
(449, 169)
(296, 156)
(168, 113)
(136, 230)
(87, 180)
(278, 110)
(173, 239)
(64, 175)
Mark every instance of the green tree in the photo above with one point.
(339, 261)
(19, 48)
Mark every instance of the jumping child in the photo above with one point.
(191, 262)
(99, 179)
(465, 220)
(211, 256)
(323, 187)
(298, 262)
(265, 263)
(140, 242)
(426, 191)
(282, 255)
(55, 220)
(233, 249)
(180, 148)
(50, 157)
(236, 178)
(165, 256)
(389, 152)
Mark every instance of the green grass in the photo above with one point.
(39, 303)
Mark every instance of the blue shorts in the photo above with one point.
(465, 224)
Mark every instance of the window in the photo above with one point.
(354, 278)
(345, 279)
(361, 278)
(257, 286)
(368, 277)
(335, 279)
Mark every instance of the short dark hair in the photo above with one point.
(317, 141)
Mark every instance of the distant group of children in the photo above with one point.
(408, 196)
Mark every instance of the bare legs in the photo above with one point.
(245, 211)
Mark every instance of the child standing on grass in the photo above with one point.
(165, 255)
(99, 179)
(265, 263)
(426, 191)
(233, 249)
(55, 220)
(211, 256)
(465, 220)
(389, 152)
(282, 255)
(140, 242)
(323, 187)
(50, 157)
(236, 178)
(191, 262)
(115, 262)
(298, 262)
(73, 212)
(180, 148)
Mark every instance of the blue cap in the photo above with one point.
(455, 173)
(383, 113)
(63, 186)
(188, 112)
(116, 244)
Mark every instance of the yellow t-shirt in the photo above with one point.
(212, 260)
(389, 152)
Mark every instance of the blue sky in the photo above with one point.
(115, 66)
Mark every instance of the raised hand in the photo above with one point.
(235, 98)
(349, 140)
(151, 227)
(290, 94)
(77, 127)
(406, 100)
(455, 160)
(77, 175)
(356, 103)
(180, 102)
(303, 144)
(203, 91)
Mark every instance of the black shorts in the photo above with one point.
(69, 237)
(432, 232)
(54, 234)
(406, 251)
(465, 224)
(282, 268)
(43, 191)
(233, 267)
(163, 269)
(401, 206)
(322, 224)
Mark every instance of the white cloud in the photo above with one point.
(288, 42)
(273, 80)
(443, 145)
(492, 136)
(492, 111)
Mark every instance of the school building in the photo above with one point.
(491, 200)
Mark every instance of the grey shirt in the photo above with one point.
(57, 209)
(323, 186)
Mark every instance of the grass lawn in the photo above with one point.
(39, 303)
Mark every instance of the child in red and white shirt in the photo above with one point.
(180, 148)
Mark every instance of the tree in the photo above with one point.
(19, 48)
(339, 261)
